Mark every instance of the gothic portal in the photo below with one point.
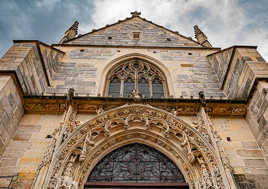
(133, 105)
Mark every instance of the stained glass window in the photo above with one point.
(157, 88)
(136, 163)
(114, 88)
(128, 87)
(140, 75)
(144, 87)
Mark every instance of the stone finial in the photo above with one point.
(70, 33)
(135, 14)
(201, 37)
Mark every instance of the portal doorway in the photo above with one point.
(136, 166)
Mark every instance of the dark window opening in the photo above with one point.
(136, 35)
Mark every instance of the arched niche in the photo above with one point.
(192, 153)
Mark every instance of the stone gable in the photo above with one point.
(122, 34)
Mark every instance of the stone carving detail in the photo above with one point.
(88, 143)
(63, 183)
(50, 150)
(99, 110)
(206, 128)
(191, 149)
(135, 94)
(71, 124)
(59, 106)
(201, 127)
(205, 177)
(66, 180)
(70, 165)
(158, 127)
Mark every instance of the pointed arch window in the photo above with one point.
(138, 75)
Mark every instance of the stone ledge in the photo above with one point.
(177, 106)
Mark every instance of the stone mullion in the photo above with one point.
(151, 88)
(136, 82)
(122, 88)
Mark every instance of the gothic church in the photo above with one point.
(133, 105)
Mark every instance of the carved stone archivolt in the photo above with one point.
(188, 147)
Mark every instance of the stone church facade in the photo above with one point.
(133, 104)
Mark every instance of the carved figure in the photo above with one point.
(100, 110)
(135, 94)
(88, 142)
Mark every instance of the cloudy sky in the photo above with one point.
(225, 22)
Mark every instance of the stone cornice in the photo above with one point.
(135, 46)
(38, 43)
(235, 46)
(57, 104)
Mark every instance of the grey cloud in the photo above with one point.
(44, 20)
(225, 22)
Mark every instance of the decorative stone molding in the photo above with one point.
(89, 143)
(98, 105)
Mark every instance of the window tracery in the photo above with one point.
(136, 75)
(136, 163)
